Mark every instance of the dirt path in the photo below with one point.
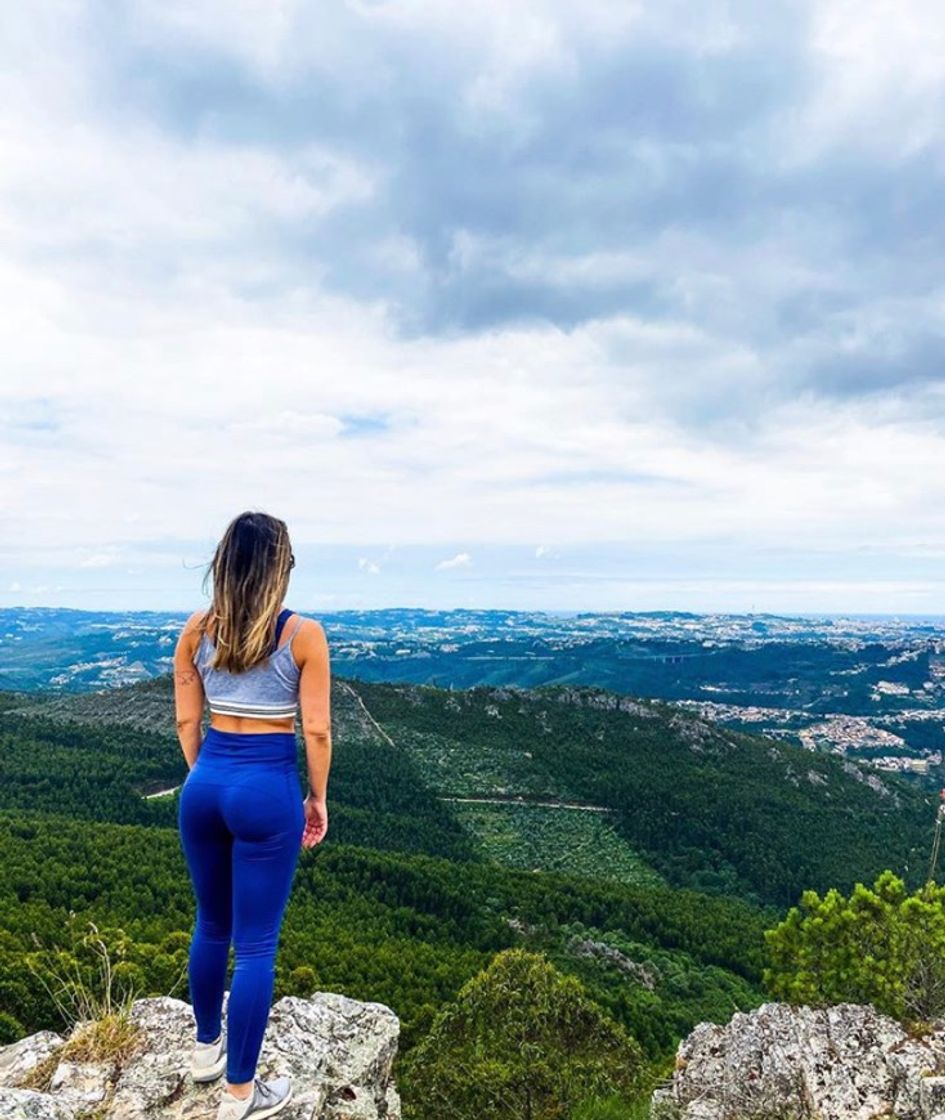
(526, 801)
(377, 727)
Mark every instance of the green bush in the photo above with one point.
(11, 1029)
(522, 1041)
(882, 946)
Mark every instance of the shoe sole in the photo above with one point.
(209, 1073)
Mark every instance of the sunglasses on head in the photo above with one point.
(291, 561)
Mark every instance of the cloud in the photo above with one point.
(460, 560)
(529, 166)
(618, 271)
(100, 559)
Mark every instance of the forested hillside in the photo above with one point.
(639, 849)
(554, 778)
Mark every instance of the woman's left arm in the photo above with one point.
(189, 697)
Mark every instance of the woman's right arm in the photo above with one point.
(315, 705)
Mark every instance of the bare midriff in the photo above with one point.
(245, 725)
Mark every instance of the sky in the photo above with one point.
(547, 305)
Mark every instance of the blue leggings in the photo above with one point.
(241, 820)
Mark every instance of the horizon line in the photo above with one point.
(552, 611)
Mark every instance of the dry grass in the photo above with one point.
(97, 1014)
(78, 999)
(112, 1039)
(39, 1076)
(109, 1041)
(919, 1028)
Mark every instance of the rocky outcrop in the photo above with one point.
(844, 1062)
(338, 1052)
(646, 973)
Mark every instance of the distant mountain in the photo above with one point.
(871, 688)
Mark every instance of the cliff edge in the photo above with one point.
(339, 1053)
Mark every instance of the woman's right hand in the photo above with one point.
(316, 821)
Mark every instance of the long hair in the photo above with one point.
(250, 570)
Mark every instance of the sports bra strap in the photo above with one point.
(280, 622)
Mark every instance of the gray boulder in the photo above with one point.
(843, 1062)
(339, 1053)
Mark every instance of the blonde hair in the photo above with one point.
(250, 570)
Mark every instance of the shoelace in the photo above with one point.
(264, 1091)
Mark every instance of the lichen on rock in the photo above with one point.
(783, 1062)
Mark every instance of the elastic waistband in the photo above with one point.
(249, 746)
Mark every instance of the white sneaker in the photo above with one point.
(208, 1059)
(266, 1099)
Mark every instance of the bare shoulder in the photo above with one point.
(190, 626)
(310, 640)
(188, 638)
(308, 626)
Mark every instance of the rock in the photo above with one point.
(646, 974)
(339, 1053)
(20, 1057)
(932, 1097)
(843, 1062)
(26, 1104)
(81, 1083)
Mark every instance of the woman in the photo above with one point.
(241, 815)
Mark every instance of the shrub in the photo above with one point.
(882, 946)
(521, 1041)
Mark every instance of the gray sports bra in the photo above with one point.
(269, 690)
